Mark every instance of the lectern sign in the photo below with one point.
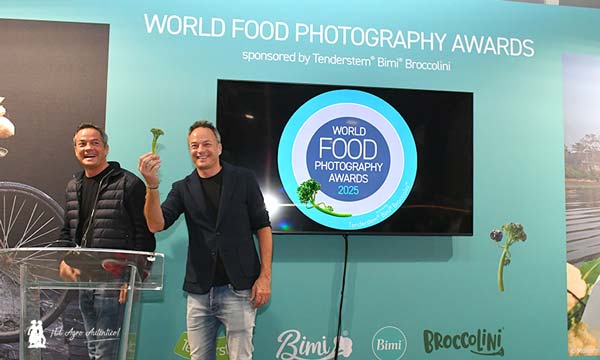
(35, 333)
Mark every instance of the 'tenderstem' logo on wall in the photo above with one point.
(182, 348)
(389, 343)
(347, 159)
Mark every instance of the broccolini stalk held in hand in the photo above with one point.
(156, 132)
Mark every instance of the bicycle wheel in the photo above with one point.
(28, 218)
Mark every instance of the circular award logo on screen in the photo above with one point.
(347, 159)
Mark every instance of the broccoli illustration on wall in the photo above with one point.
(514, 233)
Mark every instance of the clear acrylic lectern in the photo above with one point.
(33, 275)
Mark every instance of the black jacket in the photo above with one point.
(241, 212)
(117, 219)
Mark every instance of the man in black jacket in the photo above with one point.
(223, 207)
(104, 209)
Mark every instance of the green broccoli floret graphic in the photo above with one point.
(307, 191)
(514, 233)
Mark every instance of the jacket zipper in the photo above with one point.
(85, 234)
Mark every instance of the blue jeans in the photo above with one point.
(221, 305)
(102, 318)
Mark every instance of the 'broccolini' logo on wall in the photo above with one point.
(353, 159)
(480, 342)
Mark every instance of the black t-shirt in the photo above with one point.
(212, 192)
(89, 193)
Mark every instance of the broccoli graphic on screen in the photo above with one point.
(307, 191)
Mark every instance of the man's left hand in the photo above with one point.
(261, 291)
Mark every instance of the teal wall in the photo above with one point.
(443, 284)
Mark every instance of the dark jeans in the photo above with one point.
(102, 318)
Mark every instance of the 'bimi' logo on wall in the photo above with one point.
(295, 346)
(389, 343)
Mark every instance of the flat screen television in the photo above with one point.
(359, 160)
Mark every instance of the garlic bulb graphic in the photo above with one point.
(7, 129)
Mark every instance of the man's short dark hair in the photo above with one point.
(207, 125)
(92, 126)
